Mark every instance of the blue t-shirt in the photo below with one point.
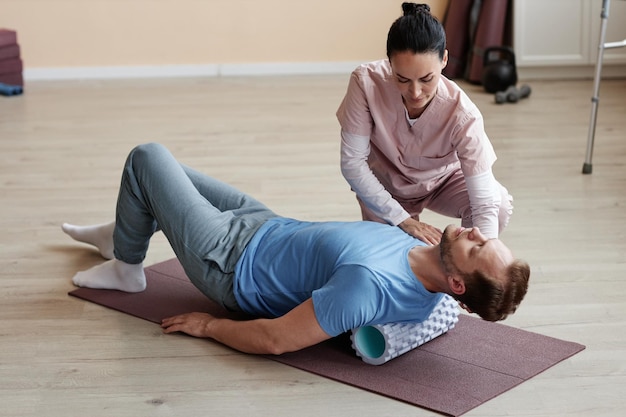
(358, 273)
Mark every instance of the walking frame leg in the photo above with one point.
(595, 99)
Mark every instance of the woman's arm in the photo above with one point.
(295, 330)
(354, 152)
(485, 199)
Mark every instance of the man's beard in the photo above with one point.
(445, 250)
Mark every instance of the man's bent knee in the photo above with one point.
(146, 151)
(142, 156)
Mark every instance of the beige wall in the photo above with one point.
(100, 33)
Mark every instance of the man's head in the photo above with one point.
(482, 273)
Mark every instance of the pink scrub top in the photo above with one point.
(413, 161)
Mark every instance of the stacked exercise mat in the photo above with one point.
(11, 79)
(380, 343)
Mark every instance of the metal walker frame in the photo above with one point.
(595, 99)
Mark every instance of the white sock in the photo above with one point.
(113, 275)
(99, 235)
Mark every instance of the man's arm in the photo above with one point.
(294, 331)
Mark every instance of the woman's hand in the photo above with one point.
(424, 232)
(194, 324)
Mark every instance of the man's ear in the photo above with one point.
(456, 284)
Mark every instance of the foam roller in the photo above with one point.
(380, 343)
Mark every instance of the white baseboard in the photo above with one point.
(269, 69)
(210, 70)
(569, 72)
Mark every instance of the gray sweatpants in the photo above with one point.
(207, 222)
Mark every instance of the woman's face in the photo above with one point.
(417, 77)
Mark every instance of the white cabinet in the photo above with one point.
(616, 30)
(552, 35)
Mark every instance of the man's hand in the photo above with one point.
(194, 324)
(294, 331)
(424, 232)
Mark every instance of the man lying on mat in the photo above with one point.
(304, 281)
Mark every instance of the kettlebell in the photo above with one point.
(499, 72)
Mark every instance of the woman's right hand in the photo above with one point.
(422, 231)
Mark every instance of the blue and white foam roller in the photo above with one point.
(380, 343)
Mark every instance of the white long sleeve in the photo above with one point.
(354, 152)
(485, 199)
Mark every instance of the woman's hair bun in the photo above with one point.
(414, 8)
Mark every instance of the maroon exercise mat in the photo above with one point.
(7, 37)
(11, 65)
(9, 52)
(452, 374)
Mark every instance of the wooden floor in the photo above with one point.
(62, 146)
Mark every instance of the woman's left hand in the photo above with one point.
(424, 232)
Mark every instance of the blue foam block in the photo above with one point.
(10, 90)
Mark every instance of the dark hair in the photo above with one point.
(491, 299)
(417, 31)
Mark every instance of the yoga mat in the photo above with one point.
(9, 51)
(15, 78)
(452, 374)
(7, 37)
(11, 65)
(489, 32)
(456, 25)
